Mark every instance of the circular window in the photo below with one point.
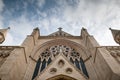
(69, 70)
(61, 63)
(53, 70)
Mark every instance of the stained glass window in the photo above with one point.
(49, 54)
(49, 61)
(43, 65)
(36, 68)
(77, 64)
(83, 67)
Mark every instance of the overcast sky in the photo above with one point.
(22, 16)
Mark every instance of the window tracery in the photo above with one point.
(60, 49)
(51, 52)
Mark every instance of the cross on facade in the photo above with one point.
(60, 29)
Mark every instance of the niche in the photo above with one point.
(61, 63)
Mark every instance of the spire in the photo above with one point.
(116, 35)
(3, 33)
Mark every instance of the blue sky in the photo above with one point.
(22, 16)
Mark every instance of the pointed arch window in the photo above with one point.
(71, 60)
(47, 56)
(77, 64)
(49, 61)
(43, 65)
(36, 68)
(83, 67)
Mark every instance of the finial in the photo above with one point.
(83, 28)
(36, 28)
(110, 28)
(116, 35)
(60, 29)
(8, 28)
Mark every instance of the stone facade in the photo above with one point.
(60, 56)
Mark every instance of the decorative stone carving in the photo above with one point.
(53, 70)
(4, 54)
(69, 70)
(53, 51)
(115, 54)
(60, 33)
(61, 63)
(75, 54)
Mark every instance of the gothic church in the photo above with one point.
(59, 56)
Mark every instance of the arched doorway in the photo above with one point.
(61, 77)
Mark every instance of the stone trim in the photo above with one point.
(96, 48)
(75, 45)
(25, 54)
(8, 47)
(51, 37)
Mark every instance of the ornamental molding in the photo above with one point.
(66, 42)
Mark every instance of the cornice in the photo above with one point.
(52, 37)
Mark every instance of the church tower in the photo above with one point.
(60, 56)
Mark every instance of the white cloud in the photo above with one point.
(1, 9)
(20, 28)
(45, 23)
(1, 23)
(40, 3)
(1, 5)
(21, 25)
(95, 15)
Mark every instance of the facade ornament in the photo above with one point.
(3, 34)
(116, 35)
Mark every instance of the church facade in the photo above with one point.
(59, 56)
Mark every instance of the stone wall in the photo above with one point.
(102, 62)
(14, 67)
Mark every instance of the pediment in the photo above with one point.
(60, 33)
(61, 66)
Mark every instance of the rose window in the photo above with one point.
(48, 55)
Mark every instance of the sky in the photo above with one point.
(22, 16)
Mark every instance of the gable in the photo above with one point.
(60, 33)
(61, 66)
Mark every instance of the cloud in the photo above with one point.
(1, 5)
(40, 3)
(1, 9)
(20, 28)
(95, 15)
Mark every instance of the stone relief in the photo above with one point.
(53, 51)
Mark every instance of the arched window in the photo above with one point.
(43, 65)
(47, 56)
(36, 68)
(83, 67)
(71, 60)
(77, 64)
(49, 61)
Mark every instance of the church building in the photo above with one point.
(59, 56)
